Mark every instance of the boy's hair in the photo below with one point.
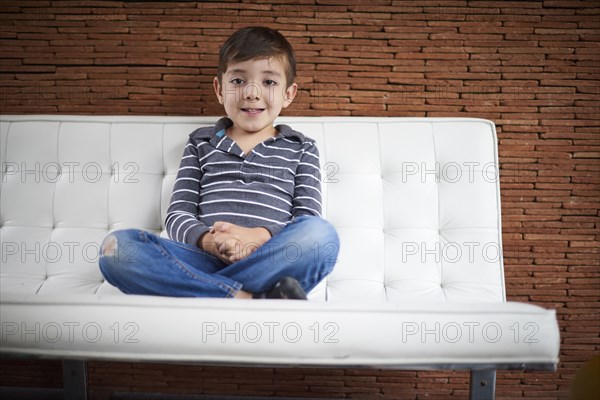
(257, 42)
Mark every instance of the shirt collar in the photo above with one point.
(284, 130)
(288, 132)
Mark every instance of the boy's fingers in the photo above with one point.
(223, 248)
(223, 236)
(222, 226)
(229, 246)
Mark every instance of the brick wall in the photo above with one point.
(530, 66)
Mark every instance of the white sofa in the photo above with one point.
(419, 283)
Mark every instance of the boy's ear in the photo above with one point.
(217, 87)
(290, 94)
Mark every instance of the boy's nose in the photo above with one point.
(252, 91)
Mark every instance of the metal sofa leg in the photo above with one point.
(75, 379)
(483, 384)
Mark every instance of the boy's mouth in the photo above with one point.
(253, 111)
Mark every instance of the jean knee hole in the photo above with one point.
(109, 246)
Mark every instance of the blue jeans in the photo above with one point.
(144, 263)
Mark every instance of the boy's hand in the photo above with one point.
(232, 242)
(208, 243)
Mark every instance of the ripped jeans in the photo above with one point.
(144, 263)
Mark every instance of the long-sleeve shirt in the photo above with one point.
(277, 181)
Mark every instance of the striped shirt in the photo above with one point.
(279, 180)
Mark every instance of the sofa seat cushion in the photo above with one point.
(274, 332)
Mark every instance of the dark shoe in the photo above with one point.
(286, 288)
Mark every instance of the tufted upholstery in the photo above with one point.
(415, 201)
(419, 282)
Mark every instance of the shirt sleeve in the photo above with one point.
(307, 190)
(181, 222)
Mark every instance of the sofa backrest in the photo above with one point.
(415, 200)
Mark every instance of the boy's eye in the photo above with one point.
(270, 82)
(236, 81)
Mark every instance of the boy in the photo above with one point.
(244, 219)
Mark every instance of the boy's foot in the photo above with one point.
(285, 288)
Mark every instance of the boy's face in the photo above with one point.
(254, 93)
